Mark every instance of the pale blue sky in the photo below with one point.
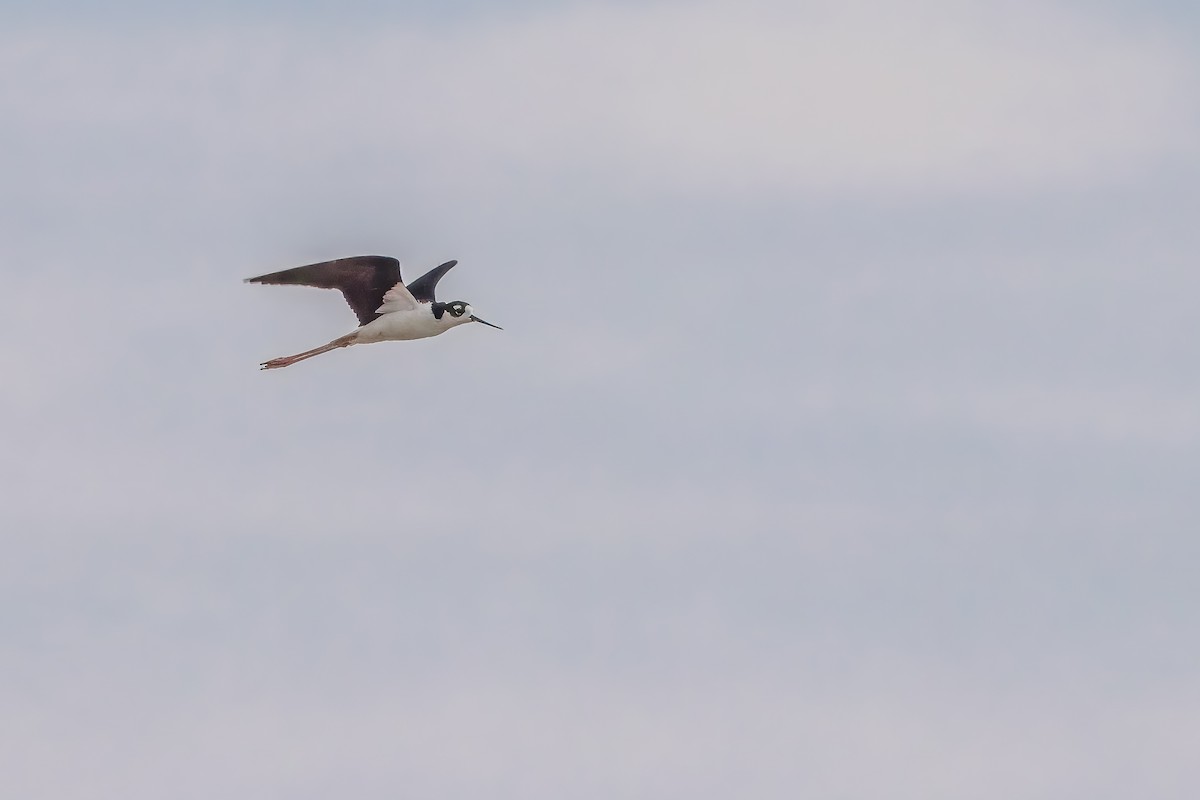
(842, 439)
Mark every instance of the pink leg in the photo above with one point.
(287, 361)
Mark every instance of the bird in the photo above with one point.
(387, 310)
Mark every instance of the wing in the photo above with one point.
(364, 281)
(422, 288)
(397, 299)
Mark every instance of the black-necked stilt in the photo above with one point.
(387, 309)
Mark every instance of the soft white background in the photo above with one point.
(842, 442)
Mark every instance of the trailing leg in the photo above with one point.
(287, 361)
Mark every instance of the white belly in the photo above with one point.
(416, 324)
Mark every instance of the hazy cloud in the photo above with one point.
(841, 440)
(942, 96)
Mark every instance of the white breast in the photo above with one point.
(417, 323)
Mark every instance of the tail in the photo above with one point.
(287, 361)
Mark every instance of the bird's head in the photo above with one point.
(456, 312)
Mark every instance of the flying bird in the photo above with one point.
(387, 310)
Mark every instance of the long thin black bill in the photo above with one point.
(490, 325)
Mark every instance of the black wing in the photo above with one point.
(422, 288)
(362, 280)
